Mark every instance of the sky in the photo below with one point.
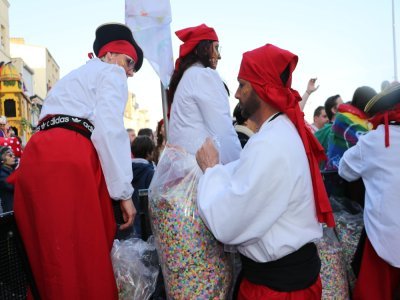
(344, 43)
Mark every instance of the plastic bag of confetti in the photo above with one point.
(333, 271)
(349, 224)
(194, 263)
(135, 265)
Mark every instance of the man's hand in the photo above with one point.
(311, 88)
(207, 156)
(128, 213)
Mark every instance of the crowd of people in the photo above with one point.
(253, 182)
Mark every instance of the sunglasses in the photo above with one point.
(130, 63)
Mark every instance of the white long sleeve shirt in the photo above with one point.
(200, 110)
(98, 91)
(263, 202)
(379, 168)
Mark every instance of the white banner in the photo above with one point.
(149, 21)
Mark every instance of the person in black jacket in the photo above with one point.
(7, 167)
(142, 149)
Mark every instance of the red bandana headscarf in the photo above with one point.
(263, 67)
(119, 46)
(384, 118)
(385, 108)
(192, 36)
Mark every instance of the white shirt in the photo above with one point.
(98, 92)
(379, 168)
(263, 202)
(201, 109)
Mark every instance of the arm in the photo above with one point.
(311, 88)
(230, 200)
(111, 139)
(213, 103)
(350, 165)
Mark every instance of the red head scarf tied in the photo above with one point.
(263, 67)
(119, 46)
(192, 36)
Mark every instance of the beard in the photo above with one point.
(251, 105)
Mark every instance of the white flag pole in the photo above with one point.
(150, 21)
(165, 109)
(394, 44)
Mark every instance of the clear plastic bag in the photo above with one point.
(136, 268)
(333, 271)
(193, 262)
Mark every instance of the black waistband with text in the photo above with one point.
(76, 124)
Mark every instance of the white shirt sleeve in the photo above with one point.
(212, 100)
(350, 165)
(110, 137)
(223, 196)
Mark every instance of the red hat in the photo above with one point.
(119, 46)
(13, 143)
(385, 108)
(265, 68)
(118, 38)
(192, 36)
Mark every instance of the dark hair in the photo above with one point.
(285, 75)
(199, 54)
(329, 104)
(146, 131)
(318, 111)
(159, 136)
(361, 96)
(142, 146)
(3, 150)
(237, 114)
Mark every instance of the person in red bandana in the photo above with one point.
(198, 97)
(77, 160)
(375, 159)
(271, 201)
(200, 108)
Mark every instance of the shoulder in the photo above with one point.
(199, 73)
(4, 172)
(104, 70)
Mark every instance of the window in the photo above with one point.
(9, 108)
(3, 37)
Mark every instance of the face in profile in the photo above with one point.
(8, 158)
(321, 120)
(215, 54)
(123, 61)
(248, 99)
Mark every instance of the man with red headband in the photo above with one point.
(78, 159)
(271, 201)
(375, 159)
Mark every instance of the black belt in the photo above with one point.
(76, 124)
(296, 271)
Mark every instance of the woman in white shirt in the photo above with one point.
(199, 108)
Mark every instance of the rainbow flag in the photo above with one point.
(350, 123)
